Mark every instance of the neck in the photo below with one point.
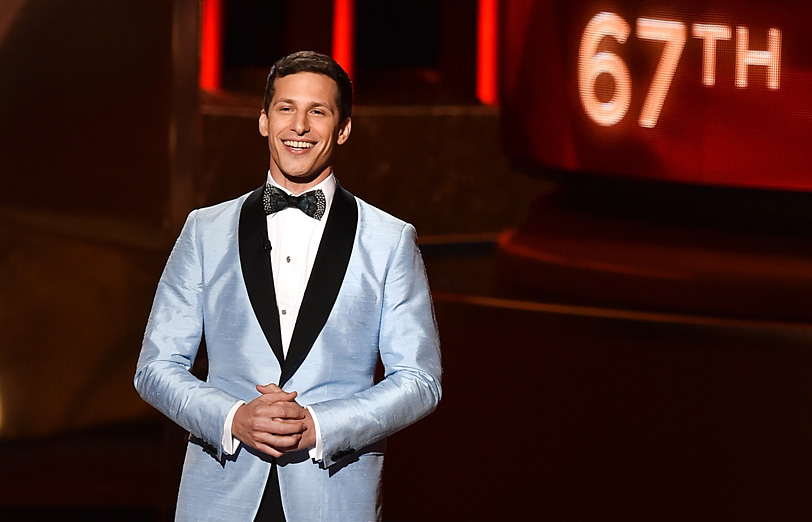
(297, 185)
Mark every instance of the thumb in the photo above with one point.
(273, 388)
(268, 388)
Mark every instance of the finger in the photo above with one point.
(271, 409)
(278, 426)
(285, 410)
(270, 450)
(268, 388)
(278, 396)
(280, 443)
(287, 428)
(266, 427)
(270, 399)
(273, 389)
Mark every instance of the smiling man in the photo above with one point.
(300, 288)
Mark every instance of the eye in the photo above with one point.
(318, 111)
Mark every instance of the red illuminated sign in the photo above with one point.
(592, 63)
(699, 92)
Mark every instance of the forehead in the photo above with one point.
(306, 87)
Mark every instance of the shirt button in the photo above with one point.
(287, 259)
(284, 312)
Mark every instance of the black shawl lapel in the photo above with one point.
(325, 280)
(255, 260)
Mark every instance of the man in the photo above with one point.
(302, 294)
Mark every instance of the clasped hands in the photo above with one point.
(274, 423)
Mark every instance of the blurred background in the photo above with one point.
(613, 205)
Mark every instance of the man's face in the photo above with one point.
(302, 126)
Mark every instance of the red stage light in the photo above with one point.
(344, 33)
(486, 52)
(211, 58)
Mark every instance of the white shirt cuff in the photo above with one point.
(316, 453)
(229, 442)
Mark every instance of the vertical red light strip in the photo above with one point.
(344, 33)
(486, 89)
(211, 45)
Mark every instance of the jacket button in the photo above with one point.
(343, 453)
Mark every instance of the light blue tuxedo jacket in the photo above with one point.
(367, 297)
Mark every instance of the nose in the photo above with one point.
(300, 123)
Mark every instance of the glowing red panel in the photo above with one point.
(211, 56)
(344, 33)
(486, 52)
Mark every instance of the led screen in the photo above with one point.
(702, 92)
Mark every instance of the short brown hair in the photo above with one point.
(311, 61)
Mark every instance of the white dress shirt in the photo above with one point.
(295, 239)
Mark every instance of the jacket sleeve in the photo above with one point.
(410, 352)
(171, 341)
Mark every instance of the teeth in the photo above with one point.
(297, 144)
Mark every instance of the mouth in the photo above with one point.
(298, 145)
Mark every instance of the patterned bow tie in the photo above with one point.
(312, 203)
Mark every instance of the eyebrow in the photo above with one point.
(311, 105)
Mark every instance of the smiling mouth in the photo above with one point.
(298, 145)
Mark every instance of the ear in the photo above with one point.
(344, 131)
(263, 123)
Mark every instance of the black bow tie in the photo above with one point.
(312, 203)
